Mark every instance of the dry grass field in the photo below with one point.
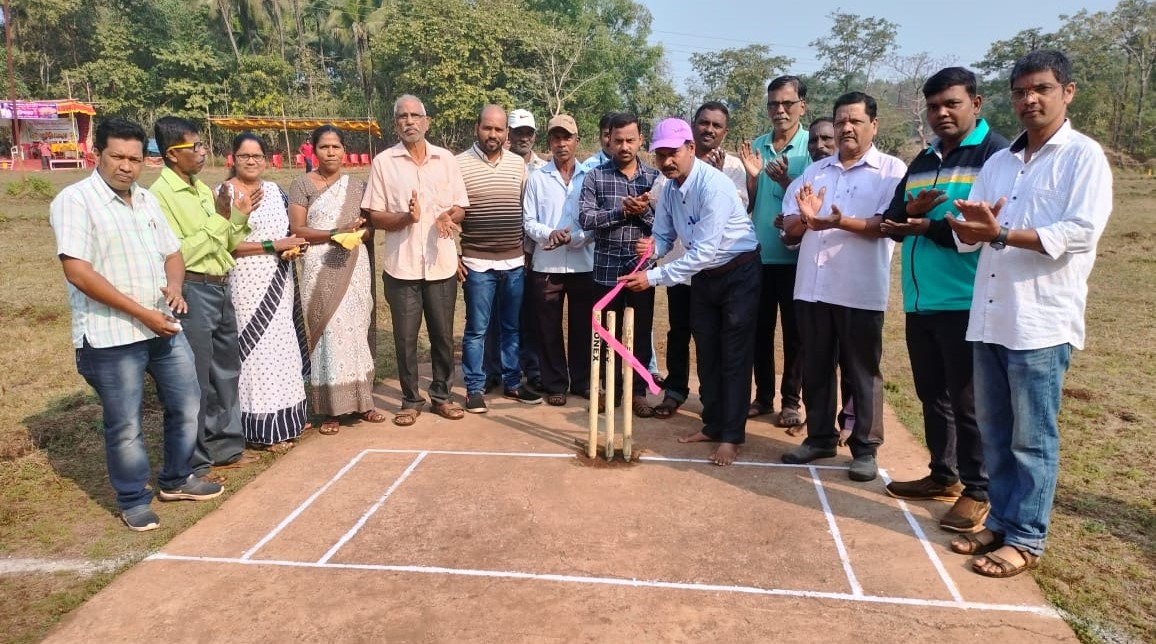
(55, 502)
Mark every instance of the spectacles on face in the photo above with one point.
(1043, 89)
(195, 147)
(786, 105)
(256, 158)
(408, 116)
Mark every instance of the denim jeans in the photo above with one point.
(487, 293)
(1017, 399)
(117, 375)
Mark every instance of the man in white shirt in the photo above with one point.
(563, 265)
(1035, 214)
(844, 274)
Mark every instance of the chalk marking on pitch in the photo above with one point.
(301, 508)
(1042, 611)
(856, 589)
(919, 534)
(372, 509)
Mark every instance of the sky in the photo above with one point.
(684, 27)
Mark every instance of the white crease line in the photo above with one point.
(301, 508)
(467, 453)
(856, 589)
(919, 534)
(373, 509)
(668, 459)
(1042, 611)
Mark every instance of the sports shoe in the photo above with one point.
(967, 515)
(476, 404)
(194, 489)
(524, 396)
(806, 453)
(140, 518)
(863, 469)
(924, 489)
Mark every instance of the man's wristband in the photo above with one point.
(268, 246)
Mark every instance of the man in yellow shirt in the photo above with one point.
(209, 227)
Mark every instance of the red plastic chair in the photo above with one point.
(345, 160)
(229, 161)
(277, 161)
(364, 159)
(299, 161)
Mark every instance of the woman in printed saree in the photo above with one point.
(336, 284)
(264, 296)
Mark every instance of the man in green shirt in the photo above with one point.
(772, 161)
(209, 227)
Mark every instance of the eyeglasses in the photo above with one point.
(786, 105)
(1021, 93)
(251, 157)
(408, 116)
(195, 147)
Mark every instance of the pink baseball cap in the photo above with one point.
(671, 133)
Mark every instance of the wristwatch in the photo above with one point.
(1000, 240)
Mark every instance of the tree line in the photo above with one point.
(350, 58)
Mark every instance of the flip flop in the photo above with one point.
(373, 416)
(406, 417)
(1006, 568)
(667, 408)
(330, 427)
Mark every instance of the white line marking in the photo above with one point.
(466, 453)
(301, 508)
(1042, 611)
(856, 589)
(373, 509)
(667, 459)
(25, 566)
(919, 534)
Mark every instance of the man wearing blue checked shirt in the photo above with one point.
(700, 207)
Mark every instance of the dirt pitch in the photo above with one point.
(490, 530)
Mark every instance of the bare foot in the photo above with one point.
(697, 437)
(797, 430)
(725, 454)
(844, 436)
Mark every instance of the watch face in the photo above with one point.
(997, 245)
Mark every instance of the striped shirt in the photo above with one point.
(600, 210)
(126, 244)
(492, 228)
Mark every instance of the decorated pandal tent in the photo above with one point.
(284, 124)
(66, 125)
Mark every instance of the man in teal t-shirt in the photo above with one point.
(772, 161)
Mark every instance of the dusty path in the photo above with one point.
(489, 530)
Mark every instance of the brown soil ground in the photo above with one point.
(489, 529)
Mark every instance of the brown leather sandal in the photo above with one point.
(406, 417)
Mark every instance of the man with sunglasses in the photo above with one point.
(209, 227)
(773, 161)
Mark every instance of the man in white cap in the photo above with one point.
(700, 207)
(523, 133)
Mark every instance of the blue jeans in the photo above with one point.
(117, 375)
(1017, 399)
(488, 293)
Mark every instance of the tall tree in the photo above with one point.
(853, 48)
(738, 78)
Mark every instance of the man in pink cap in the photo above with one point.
(700, 207)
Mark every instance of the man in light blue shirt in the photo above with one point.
(700, 207)
(563, 266)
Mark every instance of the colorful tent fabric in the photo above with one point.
(275, 123)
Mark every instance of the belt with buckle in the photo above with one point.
(202, 278)
(738, 260)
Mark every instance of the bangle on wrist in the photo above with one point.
(268, 246)
(332, 232)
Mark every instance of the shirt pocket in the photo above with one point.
(1044, 206)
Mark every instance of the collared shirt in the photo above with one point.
(593, 162)
(126, 244)
(600, 211)
(706, 214)
(769, 198)
(840, 267)
(416, 252)
(207, 239)
(535, 163)
(548, 205)
(1029, 300)
(734, 170)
